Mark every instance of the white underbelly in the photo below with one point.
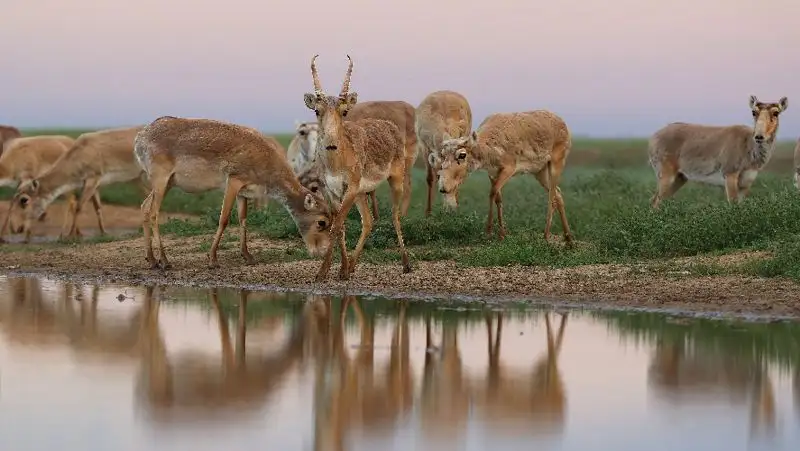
(334, 185)
(367, 185)
(715, 178)
(118, 177)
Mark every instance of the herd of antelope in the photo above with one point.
(337, 162)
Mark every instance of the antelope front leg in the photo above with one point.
(11, 206)
(490, 219)
(241, 206)
(374, 201)
(89, 188)
(98, 206)
(497, 186)
(231, 192)
(147, 205)
(366, 228)
(430, 179)
(732, 187)
(337, 228)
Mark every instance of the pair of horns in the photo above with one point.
(318, 85)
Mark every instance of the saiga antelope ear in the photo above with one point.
(310, 100)
(784, 103)
(432, 159)
(753, 102)
(309, 203)
(35, 185)
(473, 138)
(350, 99)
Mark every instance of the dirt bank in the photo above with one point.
(612, 285)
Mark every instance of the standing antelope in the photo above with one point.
(440, 114)
(199, 155)
(505, 144)
(25, 158)
(356, 157)
(402, 115)
(729, 156)
(96, 159)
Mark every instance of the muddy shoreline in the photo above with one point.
(628, 287)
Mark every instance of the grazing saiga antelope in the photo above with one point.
(25, 158)
(356, 157)
(7, 133)
(402, 115)
(440, 114)
(199, 155)
(96, 159)
(729, 156)
(505, 144)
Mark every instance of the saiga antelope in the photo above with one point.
(25, 158)
(729, 156)
(505, 144)
(440, 114)
(356, 157)
(199, 155)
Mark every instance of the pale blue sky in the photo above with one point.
(611, 68)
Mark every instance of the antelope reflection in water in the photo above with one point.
(192, 386)
(684, 373)
(533, 399)
(28, 317)
(348, 394)
(445, 396)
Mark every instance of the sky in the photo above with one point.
(610, 68)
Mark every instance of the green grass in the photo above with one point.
(607, 187)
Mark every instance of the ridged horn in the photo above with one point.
(346, 85)
(315, 75)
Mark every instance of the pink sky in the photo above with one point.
(619, 67)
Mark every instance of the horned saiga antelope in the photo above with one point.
(199, 155)
(356, 157)
(729, 156)
(505, 144)
(401, 114)
(441, 115)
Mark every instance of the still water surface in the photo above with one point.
(200, 369)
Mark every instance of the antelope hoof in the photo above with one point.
(406, 266)
(155, 264)
(344, 271)
(501, 234)
(320, 277)
(213, 264)
(3, 240)
(248, 259)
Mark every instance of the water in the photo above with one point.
(191, 369)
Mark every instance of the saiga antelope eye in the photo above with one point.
(321, 224)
